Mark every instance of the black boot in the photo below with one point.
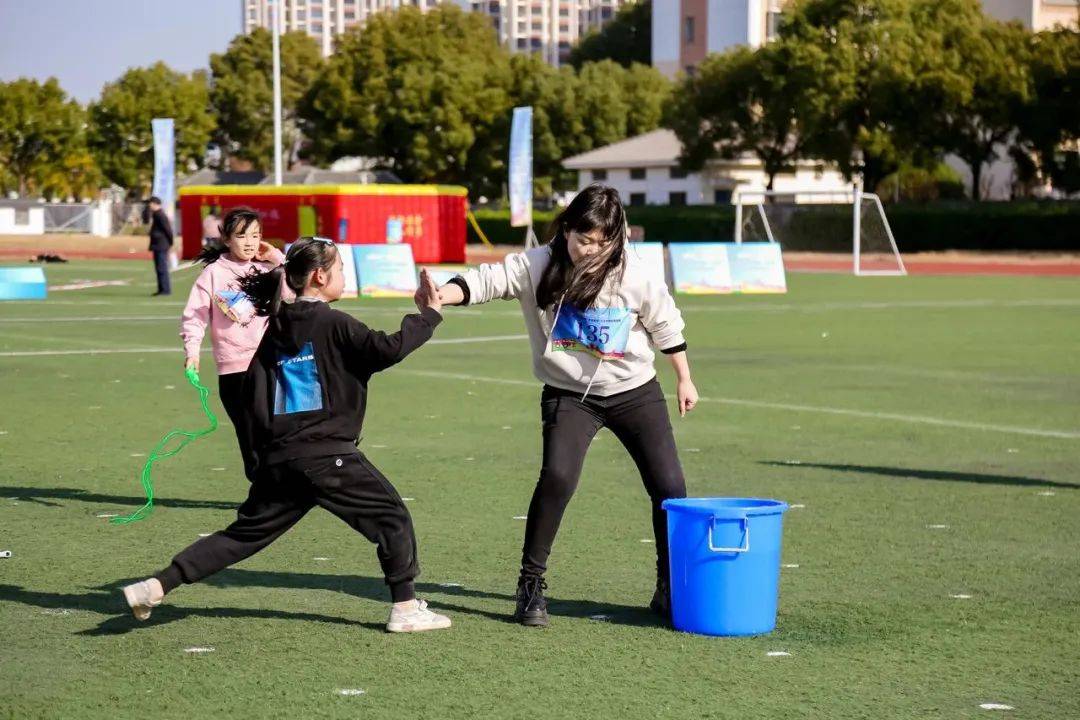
(531, 605)
(661, 599)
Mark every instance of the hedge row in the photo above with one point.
(918, 227)
(1050, 225)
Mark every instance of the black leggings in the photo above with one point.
(349, 486)
(229, 386)
(639, 418)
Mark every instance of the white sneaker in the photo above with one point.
(142, 597)
(416, 619)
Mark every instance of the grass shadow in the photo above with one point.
(107, 600)
(43, 495)
(448, 598)
(917, 474)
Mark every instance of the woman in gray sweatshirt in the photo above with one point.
(594, 313)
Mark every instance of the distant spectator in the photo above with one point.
(161, 240)
(211, 230)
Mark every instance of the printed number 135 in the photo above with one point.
(597, 333)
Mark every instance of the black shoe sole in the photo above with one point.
(533, 619)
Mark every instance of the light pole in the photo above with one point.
(275, 21)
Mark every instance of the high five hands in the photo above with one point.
(427, 293)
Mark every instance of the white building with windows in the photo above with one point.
(684, 32)
(549, 28)
(644, 169)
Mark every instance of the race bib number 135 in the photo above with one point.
(602, 332)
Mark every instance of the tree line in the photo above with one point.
(427, 95)
(877, 88)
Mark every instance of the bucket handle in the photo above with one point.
(745, 521)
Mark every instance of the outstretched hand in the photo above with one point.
(427, 293)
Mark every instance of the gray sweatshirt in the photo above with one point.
(603, 350)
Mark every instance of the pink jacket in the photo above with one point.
(216, 300)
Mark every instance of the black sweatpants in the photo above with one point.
(639, 418)
(349, 486)
(229, 386)
(161, 269)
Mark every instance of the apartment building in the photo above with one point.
(549, 28)
(1035, 14)
(685, 31)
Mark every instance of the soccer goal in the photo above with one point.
(824, 230)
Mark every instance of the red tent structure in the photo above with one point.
(431, 218)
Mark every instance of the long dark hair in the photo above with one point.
(597, 207)
(236, 222)
(306, 255)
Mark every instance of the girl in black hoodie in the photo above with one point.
(305, 392)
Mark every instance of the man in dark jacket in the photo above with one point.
(161, 240)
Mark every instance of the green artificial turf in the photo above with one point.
(883, 405)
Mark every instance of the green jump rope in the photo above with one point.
(159, 452)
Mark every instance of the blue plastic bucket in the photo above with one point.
(725, 564)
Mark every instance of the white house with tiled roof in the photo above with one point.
(645, 171)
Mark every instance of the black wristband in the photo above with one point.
(460, 282)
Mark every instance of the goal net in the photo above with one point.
(821, 230)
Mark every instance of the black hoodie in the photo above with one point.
(306, 387)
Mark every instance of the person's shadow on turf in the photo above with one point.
(371, 588)
(107, 600)
(921, 474)
(38, 495)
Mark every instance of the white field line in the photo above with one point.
(917, 419)
(744, 306)
(178, 350)
(940, 374)
(962, 375)
(790, 407)
(772, 307)
(92, 351)
(479, 339)
(89, 284)
(897, 417)
(64, 342)
(93, 318)
(872, 368)
(890, 305)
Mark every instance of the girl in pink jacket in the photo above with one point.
(217, 301)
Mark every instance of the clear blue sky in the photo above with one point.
(86, 43)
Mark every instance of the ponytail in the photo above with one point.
(264, 290)
(305, 256)
(211, 252)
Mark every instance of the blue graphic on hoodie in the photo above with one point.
(298, 387)
(236, 305)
